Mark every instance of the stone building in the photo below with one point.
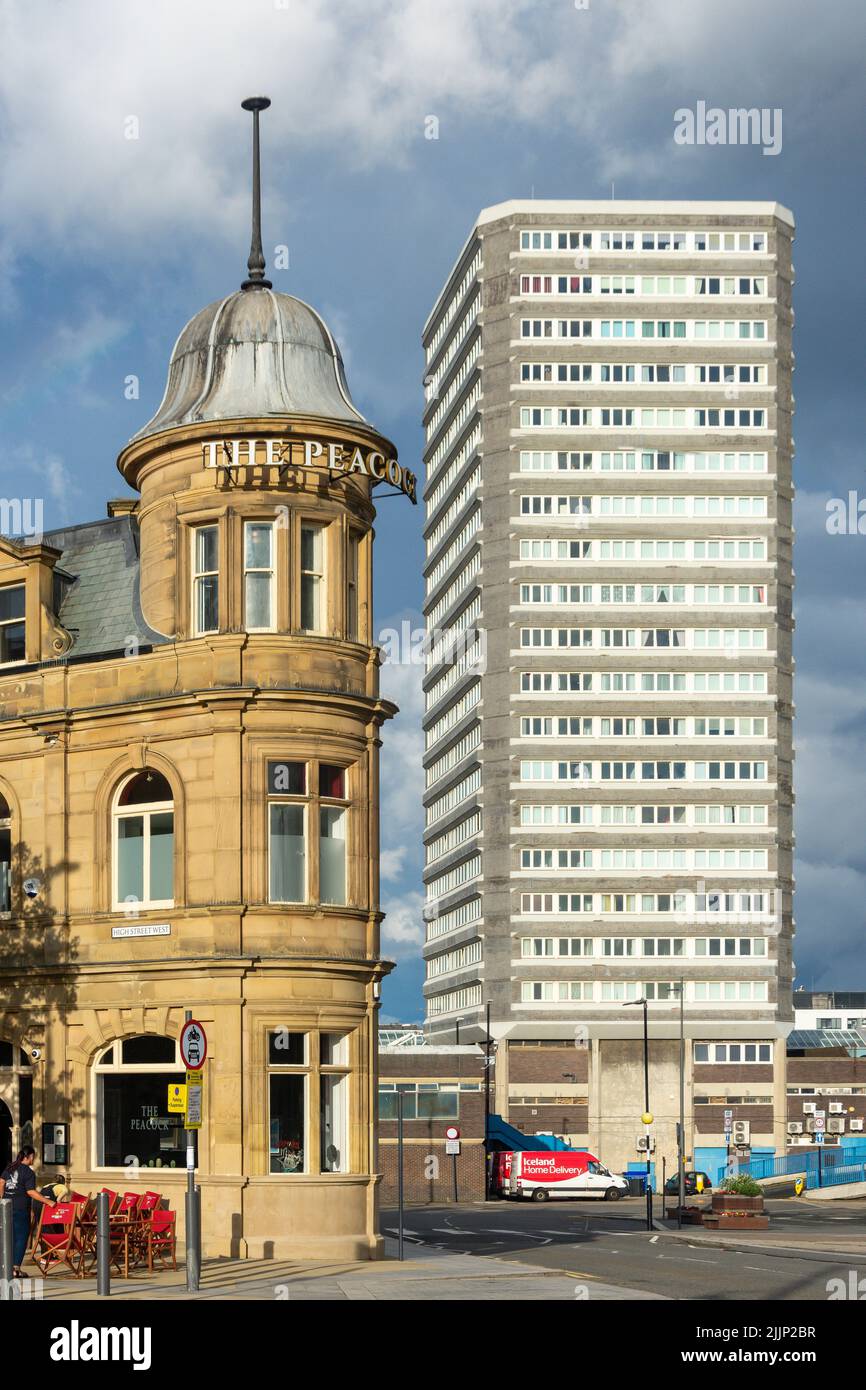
(189, 744)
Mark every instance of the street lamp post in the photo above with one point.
(646, 1118)
(681, 1147)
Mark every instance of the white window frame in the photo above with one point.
(145, 810)
(197, 576)
(269, 570)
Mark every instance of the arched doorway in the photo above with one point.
(5, 1134)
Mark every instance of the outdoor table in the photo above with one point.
(122, 1230)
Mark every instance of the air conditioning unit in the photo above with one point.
(836, 1126)
(855, 1124)
(741, 1131)
(836, 1107)
(794, 1127)
(645, 1144)
(809, 1107)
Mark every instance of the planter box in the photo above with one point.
(692, 1216)
(732, 1202)
(721, 1221)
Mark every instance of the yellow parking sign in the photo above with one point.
(176, 1099)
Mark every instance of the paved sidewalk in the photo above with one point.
(424, 1276)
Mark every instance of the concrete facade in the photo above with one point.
(609, 690)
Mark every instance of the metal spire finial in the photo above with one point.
(256, 263)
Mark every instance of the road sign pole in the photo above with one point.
(193, 1231)
(399, 1175)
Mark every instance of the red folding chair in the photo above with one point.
(58, 1239)
(148, 1204)
(113, 1200)
(129, 1203)
(162, 1239)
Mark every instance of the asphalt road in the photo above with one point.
(592, 1241)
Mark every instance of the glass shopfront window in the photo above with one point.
(308, 1075)
(133, 1127)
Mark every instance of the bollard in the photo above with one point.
(192, 1212)
(7, 1290)
(103, 1246)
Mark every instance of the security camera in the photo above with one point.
(36, 1053)
(31, 887)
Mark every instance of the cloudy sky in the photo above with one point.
(124, 168)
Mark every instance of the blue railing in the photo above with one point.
(808, 1161)
(836, 1174)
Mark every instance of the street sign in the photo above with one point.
(452, 1132)
(193, 1045)
(819, 1123)
(176, 1099)
(194, 1105)
(452, 1146)
(819, 1138)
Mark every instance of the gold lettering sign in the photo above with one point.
(344, 460)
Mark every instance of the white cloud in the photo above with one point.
(403, 927)
(354, 79)
(391, 861)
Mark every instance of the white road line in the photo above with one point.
(653, 1240)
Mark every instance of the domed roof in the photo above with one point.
(254, 353)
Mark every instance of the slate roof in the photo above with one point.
(100, 606)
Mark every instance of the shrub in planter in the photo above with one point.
(743, 1185)
(740, 1196)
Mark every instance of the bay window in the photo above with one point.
(307, 799)
(312, 577)
(205, 579)
(352, 570)
(308, 1089)
(259, 576)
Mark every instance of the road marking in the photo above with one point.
(454, 1231)
(527, 1235)
(653, 1240)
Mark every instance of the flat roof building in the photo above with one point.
(608, 698)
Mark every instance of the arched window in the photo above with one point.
(143, 842)
(133, 1126)
(5, 857)
(16, 1100)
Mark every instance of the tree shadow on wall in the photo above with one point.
(38, 974)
